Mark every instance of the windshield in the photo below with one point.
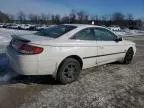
(55, 31)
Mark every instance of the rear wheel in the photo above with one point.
(129, 56)
(68, 71)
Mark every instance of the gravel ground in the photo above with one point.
(109, 86)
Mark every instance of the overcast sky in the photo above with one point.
(93, 7)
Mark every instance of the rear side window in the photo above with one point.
(55, 31)
(85, 34)
(104, 35)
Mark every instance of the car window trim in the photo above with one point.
(106, 30)
(92, 30)
(103, 55)
(74, 27)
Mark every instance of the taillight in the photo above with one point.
(30, 49)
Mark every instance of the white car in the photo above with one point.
(64, 50)
(1, 25)
(26, 26)
(38, 28)
(15, 26)
(114, 28)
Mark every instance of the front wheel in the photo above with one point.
(129, 56)
(68, 71)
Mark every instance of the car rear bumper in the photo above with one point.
(29, 65)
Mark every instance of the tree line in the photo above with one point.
(81, 17)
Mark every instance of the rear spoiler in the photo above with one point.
(19, 38)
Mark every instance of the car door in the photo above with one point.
(87, 46)
(108, 49)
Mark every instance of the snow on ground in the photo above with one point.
(5, 37)
(5, 34)
(130, 32)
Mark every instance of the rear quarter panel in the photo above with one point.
(56, 54)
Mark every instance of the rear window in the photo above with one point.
(55, 31)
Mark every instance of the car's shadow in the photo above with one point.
(10, 78)
(38, 79)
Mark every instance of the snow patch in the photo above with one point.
(129, 32)
(8, 76)
(5, 34)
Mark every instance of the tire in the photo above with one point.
(129, 56)
(68, 71)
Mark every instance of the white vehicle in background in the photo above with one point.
(38, 28)
(1, 25)
(126, 29)
(15, 26)
(64, 50)
(26, 26)
(120, 33)
(114, 28)
(22, 26)
(4, 25)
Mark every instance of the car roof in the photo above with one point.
(83, 25)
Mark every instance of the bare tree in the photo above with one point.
(34, 18)
(11, 17)
(104, 17)
(86, 17)
(43, 18)
(65, 19)
(117, 16)
(129, 16)
(129, 19)
(48, 19)
(82, 16)
(92, 18)
(138, 24)
(21, 16)
(57, 18)
(95, 18)
(53, 19)
(72, 16)
(4, 17)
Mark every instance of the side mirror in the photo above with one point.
(118, 39)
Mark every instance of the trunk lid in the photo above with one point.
(31, 38)
(18, 40)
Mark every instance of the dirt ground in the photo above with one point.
(109, 86)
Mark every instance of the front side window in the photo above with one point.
(104, 35)
(85, 34)
(55, 31)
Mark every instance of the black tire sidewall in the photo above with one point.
(126, 61)
(59, 76)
